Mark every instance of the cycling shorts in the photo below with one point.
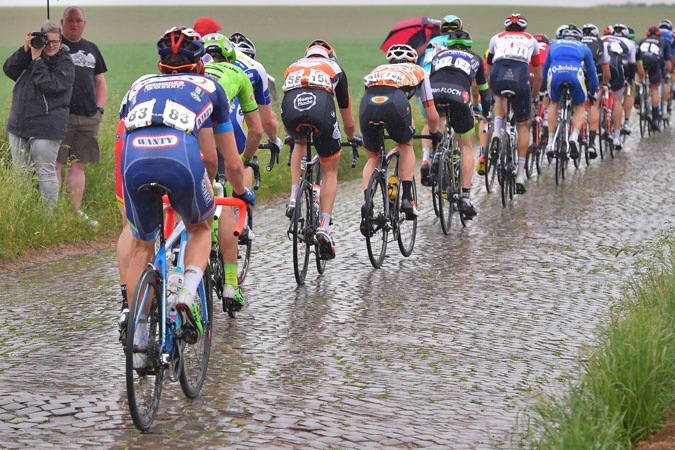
(447, 91)
(573, 78)
(389, 105)
(314, 107)
(171, 158)
(652, 66)
(511, 75)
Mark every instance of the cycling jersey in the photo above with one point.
(235, 82)
(258, 75)
(318, 73)
(565, 64)
(163, 115)
(598, 50)
(621, 52)
(408, 77)
(653, 51)
(516, 46)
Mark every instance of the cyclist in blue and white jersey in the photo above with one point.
(564, 65)
(666, 29)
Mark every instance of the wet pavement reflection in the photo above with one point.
(444, 349)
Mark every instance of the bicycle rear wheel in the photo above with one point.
(302, 232)
(244, 249)
(376, 223)
(316, 217)
(491, 168)
(195, 357)
(407, 229)
(144, 385)
(447, 187)
(533, 150)
(504, 176)
(560, 159)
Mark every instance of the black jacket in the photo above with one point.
(41, 94)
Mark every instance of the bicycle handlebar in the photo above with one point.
(222, 201)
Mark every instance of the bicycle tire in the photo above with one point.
(316, 221)
(532, 150)
(244, 246)
(192, 376)
(144, 386)
(407, 229)
(503, 175)
(491, 165)
(376, 221)
(447, 185)
(642, 112)
(511, 170)
(302, 232)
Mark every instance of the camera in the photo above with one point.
(39, 40)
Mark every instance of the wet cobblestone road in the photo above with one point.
(444, 349)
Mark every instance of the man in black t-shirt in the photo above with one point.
(86, 107)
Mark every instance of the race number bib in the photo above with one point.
(650, 47)
(319, 79)
(140, 115)
(453, 62)
(178, 116)
(293, 80)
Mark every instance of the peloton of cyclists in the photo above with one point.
(310, 85)
(509, 55)
(564, 65)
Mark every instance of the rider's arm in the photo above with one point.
(428, 102)
(207, 147)
(234, 169)
(345, 105)
(590, 70)
(269, 121)
(255, 133)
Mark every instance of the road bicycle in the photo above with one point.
(380, 214)
(562, 135)
(245, 240)
(157, 334)
(644, 101)
(503, 159)
(445, 176)
(538, 145)
(606, 144)
(307, 214)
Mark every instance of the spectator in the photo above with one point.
(44, 75)
(86, 107)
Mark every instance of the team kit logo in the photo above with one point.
(304, 101)
(379, 99)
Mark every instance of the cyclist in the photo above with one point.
(591, 39)
(454, 71)
(449, 24)
(389, 88)
(509, 55)
(310, 85)
(169, 119)
(564, 65)
(237, 86)
(629, 94)
(619, 47)
(544, 45)
(654, 55)
(666, 29)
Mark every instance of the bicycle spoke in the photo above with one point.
(376, 222)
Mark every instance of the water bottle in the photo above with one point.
(173, 285)
(392, 187)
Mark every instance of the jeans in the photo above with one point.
(40, 154)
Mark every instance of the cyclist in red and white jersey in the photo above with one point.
(509, 56)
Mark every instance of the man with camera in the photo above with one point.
(44, 74)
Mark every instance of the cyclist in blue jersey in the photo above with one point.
(173, 121)
(666, 29)
(564, 65)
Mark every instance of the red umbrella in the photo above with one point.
(414, 32)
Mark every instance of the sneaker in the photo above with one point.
(91, 222)
(625, 129)
(481, 165)
(326, 244)
(424, 174)
(592, 152)
(122, 325)
(574, 148)
(233, 298)
(616, 142)
(189, 310)
(466, 208)
(655, 124)
(521, 183)
(363, 227)
(409, 208)
(290, 209)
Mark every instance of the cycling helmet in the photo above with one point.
(590, 30)
(619, 29)
(541, 37)
(515, 22)
(459, 37)
(561, 29)
(219, 46)
(316, 50)
(323, 43)
(400, 53)
(631, 33)
(451, 23)
(571, 33)
(243, 44)
(653, 31)
(667, 24)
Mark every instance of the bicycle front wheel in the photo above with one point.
(142, 349)
(302, 232)
(447, 190)
(195, 357)
(376, 222)
(244, 245)
(407, 229)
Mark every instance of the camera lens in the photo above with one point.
(37, 42)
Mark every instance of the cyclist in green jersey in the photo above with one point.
(237, 85)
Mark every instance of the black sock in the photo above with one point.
(407, 190)
(591, 137)
(466, 193)
(125, 300)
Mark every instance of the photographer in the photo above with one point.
(44, 75)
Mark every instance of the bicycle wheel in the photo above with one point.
(511, 169)
(377, 224)
(407, 229)
(244, 245)
(491, 168)
(144, 386)
(644, 119)
(561, 158)
(533, 150)
(302, 232)
(503, 175)
(316, 220)
(195, 357)
(447, 188)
